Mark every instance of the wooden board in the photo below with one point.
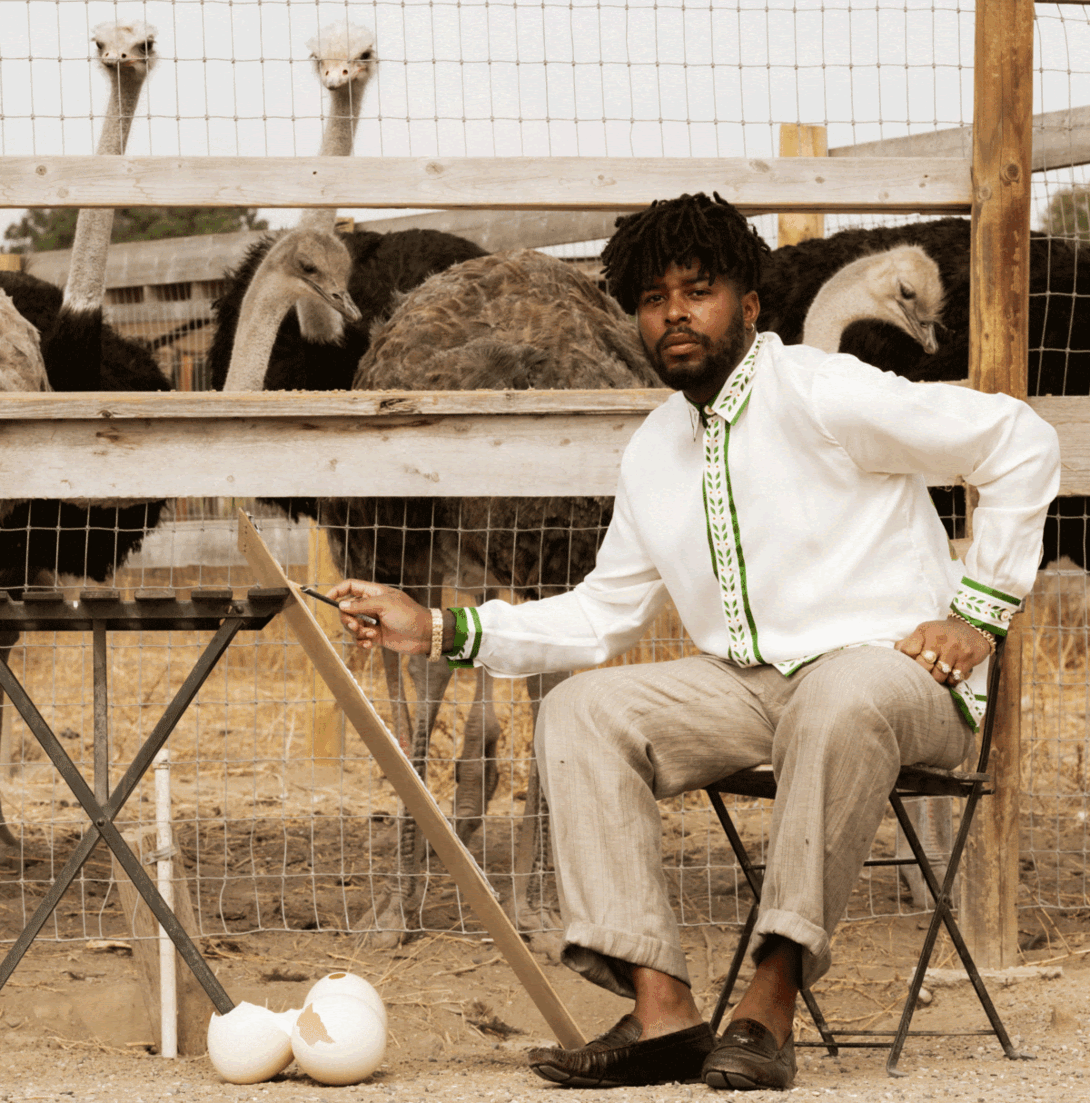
(755, 185)
(194, 1008)
(414, 794)
(355, 443)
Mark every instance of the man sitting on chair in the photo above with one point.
(779, 499)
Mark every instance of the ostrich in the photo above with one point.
(302, 266)
(316, 348)
(42, 539)
(509, 321)
(901, 286)
(21, 365)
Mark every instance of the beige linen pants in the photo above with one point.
(610, 743)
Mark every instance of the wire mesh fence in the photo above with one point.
(281, 818)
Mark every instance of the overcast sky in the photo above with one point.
(507, 77)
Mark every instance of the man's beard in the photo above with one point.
(713, 368)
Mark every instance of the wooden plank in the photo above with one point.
(414, 794)
(194, 1010)
(998, 347)
(280, 457)
(447, 443)
(1060, 139)
(756, 186)
(798, 140)
(204, 258)
(324, 732)
(387, 407)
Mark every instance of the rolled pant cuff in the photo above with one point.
(605, 957)
(816, 953)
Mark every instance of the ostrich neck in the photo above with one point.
(263, 308)
(840, 301)
(338, 138)
(86, 285)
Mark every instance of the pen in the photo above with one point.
(311, 592)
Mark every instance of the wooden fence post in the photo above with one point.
(998, 357)
(800, 140)
(325, 719)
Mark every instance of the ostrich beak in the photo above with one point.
(338, 298)
(923, 332)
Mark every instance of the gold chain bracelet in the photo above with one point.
(983, 631)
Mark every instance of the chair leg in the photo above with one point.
(942, 914)
(735, 966)
(753, 876)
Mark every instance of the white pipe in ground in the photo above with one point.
(164, 845)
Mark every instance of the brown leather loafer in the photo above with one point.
(619, 1059)
(746, 1058)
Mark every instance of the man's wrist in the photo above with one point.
(448, 629)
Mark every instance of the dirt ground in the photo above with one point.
(74, 1024)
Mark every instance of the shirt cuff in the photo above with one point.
(986, 608)
(467, 637)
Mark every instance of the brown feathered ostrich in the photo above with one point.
(515, 320)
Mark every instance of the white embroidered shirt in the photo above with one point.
(791, 517)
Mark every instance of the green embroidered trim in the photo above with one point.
(726, 547)
(732, 399)
(461, 631)
(467, 637)
(970, 705)
(984, 607)
(997, 594)
(476, 633)
(788, 666)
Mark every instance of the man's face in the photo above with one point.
(695, 330)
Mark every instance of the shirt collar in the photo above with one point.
(732, 399)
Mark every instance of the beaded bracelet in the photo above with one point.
(983, 631)
(436, 652)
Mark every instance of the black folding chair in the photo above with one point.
(913, 781)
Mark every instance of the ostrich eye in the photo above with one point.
(99, 45)
(907, 292)
(308, 268)
(365, 56)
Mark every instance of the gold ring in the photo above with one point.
(928, 656)
(956, 675)
(944, 667)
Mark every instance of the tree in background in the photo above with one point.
(43, 228)
(1069, 213)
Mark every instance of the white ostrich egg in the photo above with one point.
(250, 1043)
(348, 984)
(338, 1039)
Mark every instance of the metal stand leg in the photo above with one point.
(102, 814)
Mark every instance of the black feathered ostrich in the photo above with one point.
(315, 349)
(42, 539)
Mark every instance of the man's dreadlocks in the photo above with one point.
(689, 229)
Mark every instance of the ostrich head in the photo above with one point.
(343, 54)
(126, 47)
(307, 264)
(302, 265)
(901, 286)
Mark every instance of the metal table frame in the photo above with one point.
(100, 611)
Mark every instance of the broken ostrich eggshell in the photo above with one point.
(348, 984)
(338, 1039)
(250, 1043)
